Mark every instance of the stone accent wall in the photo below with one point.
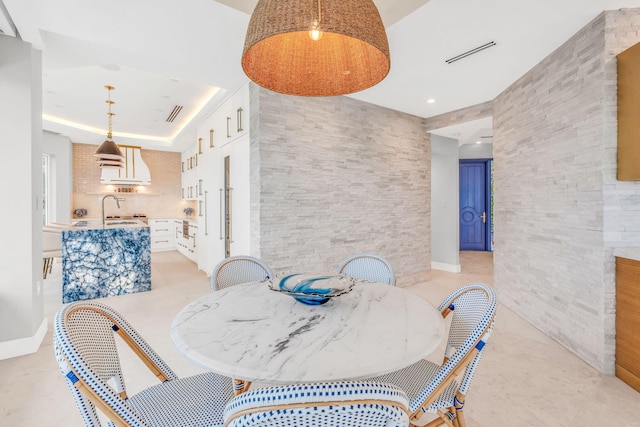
(557, 202)
(337, 177)
(621, 198)
(166, 200)
(467, 114)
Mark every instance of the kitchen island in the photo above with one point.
(105, 260)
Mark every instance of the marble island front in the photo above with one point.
(105, 260)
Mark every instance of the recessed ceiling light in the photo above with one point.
(430, 101)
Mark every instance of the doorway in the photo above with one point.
(476, 205)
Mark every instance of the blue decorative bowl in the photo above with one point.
(312, 290)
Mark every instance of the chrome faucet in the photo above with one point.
(117, 202)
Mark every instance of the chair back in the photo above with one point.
(368, 267)
(473, 309)
(239, 269)
(353, 404)
(85, 347)
(52, 241)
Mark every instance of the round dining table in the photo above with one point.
(252, 333)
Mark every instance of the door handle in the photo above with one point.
(239, 119)
(222, 219)
(484, 217)
(206, 219)
(229, 219)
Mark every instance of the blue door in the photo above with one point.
(474, 202)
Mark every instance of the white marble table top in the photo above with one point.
(252, 333)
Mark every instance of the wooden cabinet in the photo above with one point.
(162, 235)
(628, 113)
(628, 321)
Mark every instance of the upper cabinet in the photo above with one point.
(189, 165)
(628, 113)
(135, 171)
(228, 122)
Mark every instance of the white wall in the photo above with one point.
(445, 200)
(476, 151)
(22, 323)
(59, 148)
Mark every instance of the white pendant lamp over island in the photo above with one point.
(109, 154)
(316, 47)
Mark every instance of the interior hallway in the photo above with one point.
(524, 379)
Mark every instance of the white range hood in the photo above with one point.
(134, 172)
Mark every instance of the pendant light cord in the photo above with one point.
(110, 114)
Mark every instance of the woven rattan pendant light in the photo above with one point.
(316, 47)
(108, 153)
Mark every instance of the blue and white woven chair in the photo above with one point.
(239, 269)
(353, 404)
(368, 267)
(84, 342)
(435, 388)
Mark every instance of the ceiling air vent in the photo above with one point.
(174, 113)
(470, 52)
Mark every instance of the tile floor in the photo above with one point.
(525, 378)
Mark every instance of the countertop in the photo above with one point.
(109, 224)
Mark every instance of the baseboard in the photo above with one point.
(22, 346)
(451, 268)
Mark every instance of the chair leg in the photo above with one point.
(45, 267)
(458, 410)
(240, 386)
(460, 417)
(443, 419)
(454, 417)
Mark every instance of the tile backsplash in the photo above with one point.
(161, 199)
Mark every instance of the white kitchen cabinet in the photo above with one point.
(224, 200)
(186, 232)
(162, 235)
(192, 241)
(189, 165)
(222, 135)
(241, 111)
(228, 122)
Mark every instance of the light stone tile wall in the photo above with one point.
(164, 167)
(338, 176)
(558, 209)
(467, 114)
(621, 198)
